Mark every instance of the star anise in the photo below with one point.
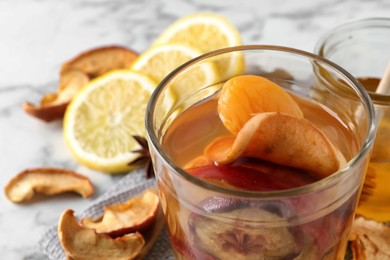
(144, 156)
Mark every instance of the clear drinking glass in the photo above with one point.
(362, 47)
(209, 221)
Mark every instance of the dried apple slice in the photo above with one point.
(261, 176)
(282, 139)
(240, 235)
(53, 105)
(370, 239)
(98, 61)
(136, 214)
(75, 74)
(152, 234)
(85, 244)
(48, 181)
(198, 162)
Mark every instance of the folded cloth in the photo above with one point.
(129, 186)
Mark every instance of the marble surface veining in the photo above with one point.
(36, 36)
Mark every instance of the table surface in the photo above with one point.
(37, 36)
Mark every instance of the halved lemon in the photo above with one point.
(158, 61)
(207, 32)
(102, 118)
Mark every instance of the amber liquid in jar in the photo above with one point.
(375, 199)
(185, 140)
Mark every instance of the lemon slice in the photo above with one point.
(158, 61)
(207, 32)
(102, 118)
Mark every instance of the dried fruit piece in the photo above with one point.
(96, 62)
(75, 74)
(240, 235)
(256, 176)
(53, 105)
(199, 162)
(85, 244)
(244, 96)
(281, 139)
(370, 239)
(136, 214)
(152, 234)
(48, 181)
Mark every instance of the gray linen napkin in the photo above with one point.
(129, 186)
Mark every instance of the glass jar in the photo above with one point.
(362, 47)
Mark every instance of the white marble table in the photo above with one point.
(37, 36)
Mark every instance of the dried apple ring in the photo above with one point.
(244, 96)
(136, 214)
(84, 243)
(76, 73)
(48, 181)
(97, 61)
(53, 105)
(281, 139)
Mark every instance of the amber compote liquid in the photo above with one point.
(375, 200)
(213, 228)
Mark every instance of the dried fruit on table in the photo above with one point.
(75, 74)
(282, 139)
(152, 234)
(84, 243)
(53, 105)
(48, 181)
(136, 214)
(369, 239)
(96, 62)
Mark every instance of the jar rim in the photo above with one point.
(345, 171)
(357, 24)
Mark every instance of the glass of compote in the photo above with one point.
(258, 155)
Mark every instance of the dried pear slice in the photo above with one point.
(85, 244)
(53, 105)
(136, 214)
(96, 62)
(282, 139)
(48, 181)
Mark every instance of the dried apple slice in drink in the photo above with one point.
(244, 96)
(48, 181)
(136, 214)
(84, 243)
(282, 139)
(233, 231)
(254, 175)
(198, 162)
